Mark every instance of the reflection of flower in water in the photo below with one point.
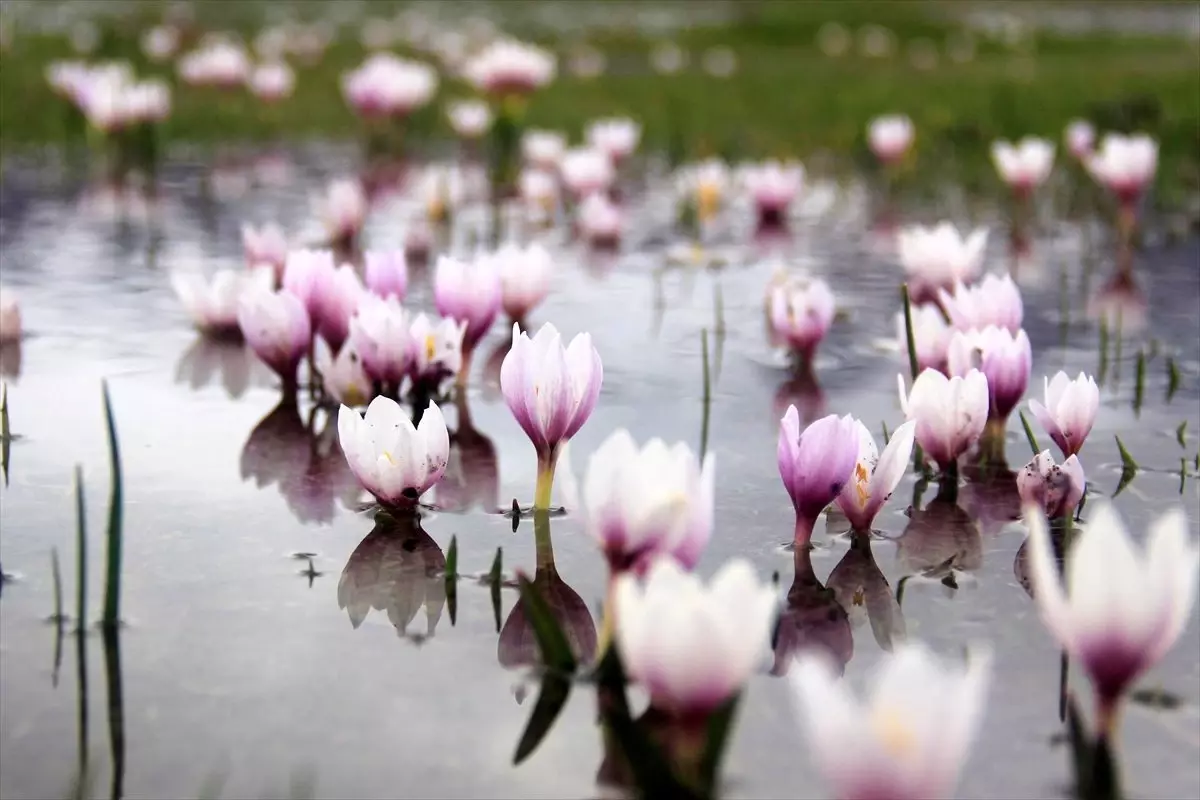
(310, 493)
(1021, 566)
(1120, 303)
(863, 591)
(398, 569)
(472, 474)
(802, 391)
(206, 358)
(518, 645)
(491, 369)
(10, 360)
(990, 497)
(939, 539)
(812, 619)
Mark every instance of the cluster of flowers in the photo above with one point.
(109, 95)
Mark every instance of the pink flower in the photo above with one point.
(469, 292)
(1004, 359)
(1068, 410)
(524, 278)
(386, 85)
(277, 328)
(386, 273)
(875, 476)
(815, 464)
(600, 221)
(510, 67)
(543, 149)
(890, 137)
(343, 210)
(773, 186)
(616, 137)
(379, 329)
(950, 413)
(218, 63)
(1026, 165)
(305, 275)
(1081, 137)
(272, 82)
(213, 304)
(586, 171)
(995, 300)
(931, 336)
(938, 257)
(801, 314)
(337, 303)
(1125, 164)
(266, 246)
(1053, 488)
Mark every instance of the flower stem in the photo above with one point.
(804, 529)
(545, 480)
(607, 618)
(543, 544)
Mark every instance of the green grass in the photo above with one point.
(786, 99)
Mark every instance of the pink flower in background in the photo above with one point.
(306, 275)
(379, 329)
(1026, 165)
(339, 299)
(815, 465)
(801, 314)
(470, 119)
(160, 42)
(524, 278)
(343, 376)
(1125, 164)
(213, 304)
(616, 137)
(265, 246)
(772, 185)
(931, 336)
(436, 350)
(386, 273)
(1081, 138)
(600, 221)
(219, 63)
(388, 86)
(995, 300)
(939, 257)
(543, 149)
(1004, 358)
(890, 137)
(277, 328)
(343, 210)
(470, 292)
(586, 171)
(510, 67)
(10, 316)
(272, 82)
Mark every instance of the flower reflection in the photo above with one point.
(472, 476)
(990, 497)
(863, 592)
(941, 539)
(518, 644)
(802, 391)
(10, 359)
(308, 466)
(1023, 570)
(491, 369)
(397, 569)
(1120, 304)
(231, 362)
(812, 620)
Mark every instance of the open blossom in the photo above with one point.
(1004, 359)
(436, 350)
(815, 464)
(343, 376)
(773, 185)
(277, 328)
(470, 119)
(890, 137)
(539, 192)
(218, 63)
(648, 502)
(950, 413)
(1026, 165)
(524, 278)
(931, 336)
(273, 81)
(801, 313)
(1125, 164)
(600, 221)
(379, 330)
(343, 210)
(938, 257)
(704, 186)
(1054, 488)
(586, 171)
(394, 460)
(543, 149)
(875, 475)
(1121, 610)
(10, 316)
(265, 246)
(509, 67)
(692, 646)
(470, 292)
(909, 740)
(995, 300)
(1080, 137)
(386, 85)
(616, 137)
(213, 304)
(1068, 410)
(385, 273)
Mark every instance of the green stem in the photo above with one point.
(543, 544)
(545, 480)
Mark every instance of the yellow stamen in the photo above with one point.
(893, 731)
(430, 347)
(859, 597)
(708, 200)
(436, 209)
(862, 480)
(388, 456)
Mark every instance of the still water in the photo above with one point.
(249, 669)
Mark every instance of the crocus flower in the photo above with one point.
(272, 82)
(441, 189)
(277, 328)
(1081, 137)
(773, 186)
(938, 257)
(995, 300)
(385, 273)
(551, 390)
(692, 647)
(1125, 164)
(470, 119)
(950, 413)
(380, 332)
(436, 350)
(801, 313)
(600, 221)
(343, 210)
(543, 149)
(393, 459)
(909, 740)
(1003, 358)
(306, 274)
(616, 137)
(386, 85)
(507, 67)
(1068, 410)
(815, 464)
(647, 502)
(340, 296)
(1023, 166)
(539, 192)
(931, 336)
(524, 278)
(586, 171)
(1055, 489)
(876, 475)
(1122, 610)
(213, 304)
(266, 246)
(470, 292)
(10, 316)
(218, 63)
(704, 186)
(343, 376)
(160, 42)
(890, 137)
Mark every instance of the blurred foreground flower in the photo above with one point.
(815, 465)
(394, 460)
(910, 740)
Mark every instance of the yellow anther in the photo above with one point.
(430, 347)
(893, 731)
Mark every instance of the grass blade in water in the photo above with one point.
(707, 392)
(494, 583)
(552, 699)
(59, 618)
(552, 643)
(452, 580)
(1129, 467)
(910, 339)
(112, 584)
(116, 707)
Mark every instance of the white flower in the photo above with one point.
(909, 740)
(343, 376)
(950, 413)
(436, 349)
(343, 210)
(380, 330)
(543, 149)
(691, 646)
(995, 300)
(524, 277)
(875, 476)
(931, 336)
(1025, 165)
(586, 171)
(890, 137)
(470, 119)
(1125, 164)
(1068, 410)
(393, 459)
(213, 304)
(937, 257)
(387, 85)
(510, 67)
(616, 137)
(273, 81)
(600, 221)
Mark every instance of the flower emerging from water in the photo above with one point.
(616, 137)
(1068, 410)
(995, 300)
(890, 137)
(875, 475)
(386, 85)
(950, 413)
(1025, 165)
(524, 278)
(470, 292)
(393, 459)
(801, 312)
(436, 350)
(10, 316)
(1054, 488)
(938, 257)
(1125, 164)
(379, 330)
(508, 67)
(385, 273)
(772, 185)
(815, 465)
(213, 304)
(277, 328)
(1004, 359)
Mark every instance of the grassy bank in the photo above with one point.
(787, 97)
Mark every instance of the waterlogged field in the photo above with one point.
(264, 628)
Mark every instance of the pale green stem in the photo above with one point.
(545, 480)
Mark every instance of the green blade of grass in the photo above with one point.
(112, 583)
(910, 339)
(1172, 378)
(707, 390)
(1129, 467)
(80, 552)
(452, 580)
(494, 585)
(1029, 436)
(1181, 434)
(1139, 384)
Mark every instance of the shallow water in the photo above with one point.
(248, 671)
